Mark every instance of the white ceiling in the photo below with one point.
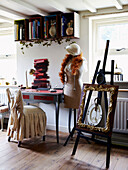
(11, 10)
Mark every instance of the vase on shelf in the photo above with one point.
(69, 30)
(52, 30)
(118, 74)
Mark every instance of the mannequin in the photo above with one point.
(71, 76)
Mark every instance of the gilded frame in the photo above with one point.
(103, 88)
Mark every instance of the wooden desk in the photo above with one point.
(45, 96)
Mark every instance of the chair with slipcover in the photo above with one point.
(25, 121)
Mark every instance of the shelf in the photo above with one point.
(21, 29)
(70, 25)
(65, 25)
(35, 28)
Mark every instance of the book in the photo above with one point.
(15, 31)
(41, 84)
(63, 26)
(40, 60)
(30, 30)
(45, 35)
(40, 77)
(34, 30)
(40, 65)
(38, 29)
(21, 32)
(47, 29)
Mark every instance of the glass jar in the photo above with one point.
(118, 74)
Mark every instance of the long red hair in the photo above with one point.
(76, 63)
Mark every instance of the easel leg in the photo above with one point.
(76, 143)
(73, 130)
(108, 152)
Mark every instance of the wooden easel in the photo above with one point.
(100, 76)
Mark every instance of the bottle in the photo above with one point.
(69, 30)
(52, 30)
(118, 74)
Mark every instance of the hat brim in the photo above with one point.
(69, 50)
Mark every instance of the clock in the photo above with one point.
(94, 114)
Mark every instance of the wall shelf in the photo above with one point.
(65, 25)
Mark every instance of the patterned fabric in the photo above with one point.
(25, 121)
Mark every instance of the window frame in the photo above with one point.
(106, 21)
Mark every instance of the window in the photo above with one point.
(116, 33)
(7, 59)
(116, 30)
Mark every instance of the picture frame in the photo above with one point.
(113, 90)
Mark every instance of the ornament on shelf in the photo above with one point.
(52, 30)
(69, 30)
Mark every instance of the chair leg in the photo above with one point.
(76, 143)
(44, 138)
(2, 122)
(9, 138)
(19, 143)
(108, 152)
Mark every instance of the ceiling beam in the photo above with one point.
(89, 6)
(117, 4)
(57, 5)
(106, 11)
(29, 7)
(6, 19)
(10, 13)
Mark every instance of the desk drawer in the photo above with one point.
(25, 96)
(48, 98)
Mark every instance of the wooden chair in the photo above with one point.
(104, 131)
(4, 112)
(26, 121)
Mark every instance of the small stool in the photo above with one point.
(4, 111)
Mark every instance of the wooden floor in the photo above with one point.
(38, 155)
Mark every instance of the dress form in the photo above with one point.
(73, 86)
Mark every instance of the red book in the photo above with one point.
(37, 72)
(37, 65)
(40, 60)
(41, 70)
(43, 79)
(40, 74)
(40, 84)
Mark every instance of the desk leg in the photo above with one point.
(57, 118)
(69, 122)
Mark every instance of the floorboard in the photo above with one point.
(35, 154)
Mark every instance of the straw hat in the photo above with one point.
(73, 49)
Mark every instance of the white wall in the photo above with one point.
(55, 55)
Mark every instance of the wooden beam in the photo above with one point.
(57, 5)
(89, 6)
(117, 4)
(106, 11)
(11, 13)
(29, 7)
(6, 19)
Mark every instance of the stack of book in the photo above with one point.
(34, 29)
(19, 31)
(41, 77)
